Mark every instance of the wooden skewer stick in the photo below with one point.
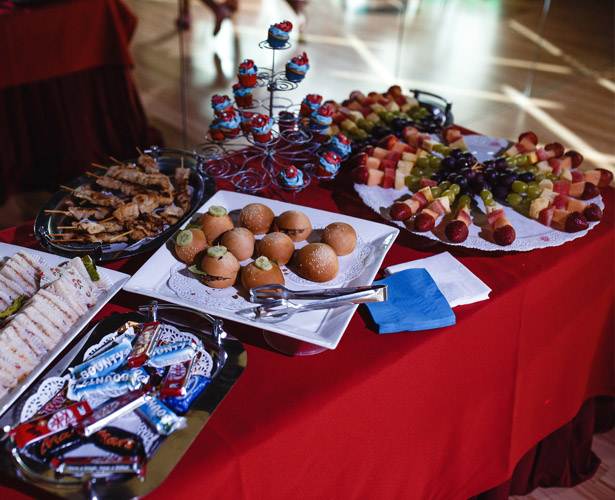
(98, 165)
(66, 188)
(69, 240)
(92, 174)
(63, 212)
(116, 160)
(117, 236)
(106, 220)
(66, 227)
(139, 150)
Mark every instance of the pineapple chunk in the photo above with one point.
(400, 178)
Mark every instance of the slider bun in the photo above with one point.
(317, 262)
(213, 226)
(256, 217)
(226, 266)
(277, 247)
(295, 224)
(252, 275)
(239, 241)
(341, 237)
(191, 246)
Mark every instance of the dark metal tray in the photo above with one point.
(230, 359)
(46, 224)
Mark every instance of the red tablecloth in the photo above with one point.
(444, 414)
(67, 96)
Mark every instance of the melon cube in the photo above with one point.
(355, 115)
(374, 177)
(380, 152)
(576, 189)
(575, 205)
(593, 176)
(405, 166)
(372, 162)
(400, 179)
(411, 157)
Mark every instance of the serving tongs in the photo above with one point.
(278, 310)
(266, 293)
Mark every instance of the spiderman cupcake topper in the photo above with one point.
(291, 172)
(326, 110)
(221, 103)
(260, 120)
(278, 34)
(286, 26)
(332, 157)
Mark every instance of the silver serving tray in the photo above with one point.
(230, 360)
(117, 281)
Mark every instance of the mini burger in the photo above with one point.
(317, 262)
(261, 272)
(239, 241)
(219, 267)
(189, 243)
(215, 222)
(256, 217)
(341, 237)
(277, 247)
(295, 224)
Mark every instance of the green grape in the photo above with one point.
(437, 147)
(464, 201)
(422, 162)
(514, 199)
(434, 162)
(519, 187)
(436, 191)
(412, 181)
(455, 188)
(533, 191)
(486, 196)
(534, 169)
(361, 134)
(445, 150)
(450, 195)
(381, 114)
(362, 123)
(539, 177)
(552, 177)
(389, 117)
(444, 184)
(524, 160)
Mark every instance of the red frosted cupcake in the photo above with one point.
(310, 104)
(247, 73)
(243, 95)
(261, 128)
(246, 121)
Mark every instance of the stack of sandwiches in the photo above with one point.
(47, 315)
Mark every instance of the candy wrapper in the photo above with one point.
(113, 409)
(144, 344)
(56, 403)
(112, 384)
(56, 444)
(40, 427)
(128, 331)
(160, 417)
(176, 379)
(99, 466)
(104, 363)
(118, 441)
(172, 353)
(196, 385)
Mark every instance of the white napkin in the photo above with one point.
(456, 282)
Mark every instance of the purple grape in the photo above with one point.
(456, 153)
(500, 192)
(506, 180)
(526, 177)
(447, 163)
(462, 163)
(501, 164)
(491, 176)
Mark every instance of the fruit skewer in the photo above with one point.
(457, 229)
(444, 196)
(502, 230)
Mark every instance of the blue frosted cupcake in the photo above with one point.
(279, 33)
(221, 103)
(297, 67)
(321, 119)
(341, 145)
(328, 164)
(291, 178)
(243, 95)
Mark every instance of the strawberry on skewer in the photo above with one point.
(501, 229)
(403, 210)
(444, 196)
(457, 229)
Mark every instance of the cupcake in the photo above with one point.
(341, 145)
(246, 121)
(247, 73)
(321, 119)
(291, 177)
(243, 95)
(261, 128)
(221, 103)
(229, 123)
(328, 164)
(287, 121)
(297, 67)
(310, 103)
(215, 131)
(278, 34)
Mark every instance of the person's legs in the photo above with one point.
(222, 10)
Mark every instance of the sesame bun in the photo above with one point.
(221, 270)
(239, 241)
(252, 275)
(277, 247)
(341, 237)
(317, 262)
(189, 243)
(256, 217)
(214, 225)
(295, 224)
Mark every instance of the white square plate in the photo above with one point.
(166, 278)
(114, 278)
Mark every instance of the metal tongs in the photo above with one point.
(276, 305)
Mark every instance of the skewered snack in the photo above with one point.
(46, 317)
(130, 202)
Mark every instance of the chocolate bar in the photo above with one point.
(196, 385)
(160, 417)
(112, 384)
(176, 379)
(54, 445)
(99, 466)
(172, 353)
(106, 362)
(144, 344)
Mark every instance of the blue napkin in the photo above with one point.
(414, 303)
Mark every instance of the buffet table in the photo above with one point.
(447, 413)
(67, 96)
